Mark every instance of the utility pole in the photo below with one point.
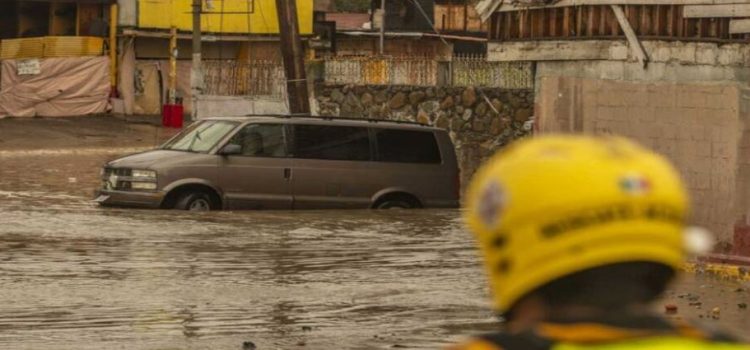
(382, 27)
(196, 72)
(294, 57)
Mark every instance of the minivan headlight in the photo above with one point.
(144, 175)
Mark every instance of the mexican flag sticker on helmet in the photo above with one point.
(635, 184)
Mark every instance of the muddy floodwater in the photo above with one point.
(76, 276)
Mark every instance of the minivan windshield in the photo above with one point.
(201, 137)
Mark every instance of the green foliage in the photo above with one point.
(352, 5)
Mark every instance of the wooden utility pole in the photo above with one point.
(196, 71)
(294, 57)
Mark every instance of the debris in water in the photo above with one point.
(742, 305)
(248, 345)
(72, 180)
(306, 328)
(301, 343)
(670, 308)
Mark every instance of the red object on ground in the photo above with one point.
(670, 308)
(172, 116)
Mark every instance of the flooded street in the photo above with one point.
(74, 275)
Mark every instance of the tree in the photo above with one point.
(352, 5)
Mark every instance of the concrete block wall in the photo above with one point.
(699, 125)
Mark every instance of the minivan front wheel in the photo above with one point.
(195, 201)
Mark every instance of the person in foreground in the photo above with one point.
(579, 235)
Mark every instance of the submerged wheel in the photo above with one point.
(395, 204)
(196, 201)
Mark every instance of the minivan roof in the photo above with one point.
(326, 119)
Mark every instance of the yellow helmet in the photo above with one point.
(552, 206)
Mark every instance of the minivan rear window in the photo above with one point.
(331, 142)
(407, 146)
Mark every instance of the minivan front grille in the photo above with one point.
(111, 179)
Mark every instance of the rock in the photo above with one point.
(742, 305)
(416, 97)
(460, 110)
(497, 105)
(397, 101)
(337, 96)
(469, 97)
(457, 124)
(430, 92)
(522, 115)
(430, 106)
(478, 125)
(670, 308)
(447, 103)
(443, 122)
(359, 89)
(496, 125)
(515, 101)
(468, 113)
(367, 99)
(481, 109)
(440, 92)
(716, 313)
(306, 328)
(352, 100)
(381, 96)
(423, 118)
(248, 345)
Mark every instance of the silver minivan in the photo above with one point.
(289, 163)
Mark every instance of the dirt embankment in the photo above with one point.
(81, 132)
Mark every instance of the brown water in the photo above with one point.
(74, 275)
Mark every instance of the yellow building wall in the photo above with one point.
(162, 14)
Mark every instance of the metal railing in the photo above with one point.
(475, 70)
(233, 78)
(381, 70)
(461, 70)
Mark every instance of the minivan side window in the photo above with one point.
(261, 140)
(407, 146)
(331, 142)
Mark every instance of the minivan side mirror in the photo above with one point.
(230, 150)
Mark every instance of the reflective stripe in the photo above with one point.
(656, 343)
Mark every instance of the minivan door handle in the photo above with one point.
(287, 173)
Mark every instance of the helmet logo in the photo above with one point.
(491, 203)
(635, 184)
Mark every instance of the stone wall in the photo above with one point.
(477, 128)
